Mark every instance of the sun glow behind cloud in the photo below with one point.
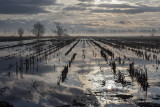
(107, 1)
(97, 1)
(115, 2)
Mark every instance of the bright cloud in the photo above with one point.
(78, 15)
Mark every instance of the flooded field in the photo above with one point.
(80, 72)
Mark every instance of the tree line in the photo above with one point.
(39, 29)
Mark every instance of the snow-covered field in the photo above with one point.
(87, 72)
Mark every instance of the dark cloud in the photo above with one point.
(138, 9)
(83, 6)
(119, 8)
(86, 4)
(24, 6)
(124, 22)
(143, 9)
(74, 8)
(104, 5)
(116, 6)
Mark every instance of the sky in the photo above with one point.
(81, 16)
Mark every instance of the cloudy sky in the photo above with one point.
(80, 16)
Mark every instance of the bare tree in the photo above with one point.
(20, 32)
(59, 30)
(38, 29)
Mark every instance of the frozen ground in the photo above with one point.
(88, 81)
